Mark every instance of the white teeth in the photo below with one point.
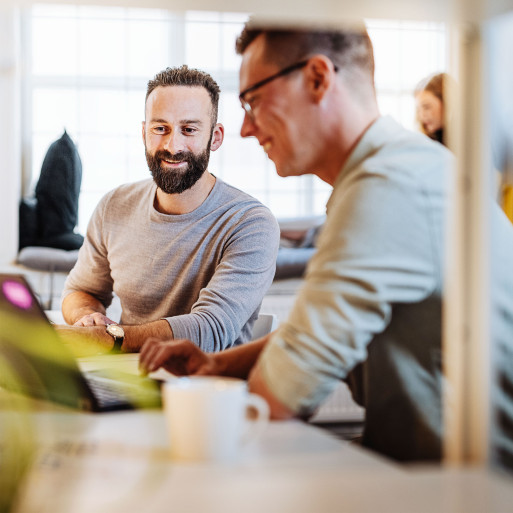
(267, 147)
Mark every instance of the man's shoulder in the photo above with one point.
(141, 186)
(242, 208)
(400, 143)
(398, 154)
(231, 195)
(129, 191)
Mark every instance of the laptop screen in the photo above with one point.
(17, 297)
(42, 365)
(37, 362)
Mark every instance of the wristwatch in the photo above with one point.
(118, 334)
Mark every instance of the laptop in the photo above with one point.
(35, 361)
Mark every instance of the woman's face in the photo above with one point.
(430, 112)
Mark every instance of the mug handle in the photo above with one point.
(257, 410)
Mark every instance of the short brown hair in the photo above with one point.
(191, 77)
(349, 49)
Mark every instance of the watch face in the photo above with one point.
(115, 330)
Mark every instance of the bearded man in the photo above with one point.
(189, 256)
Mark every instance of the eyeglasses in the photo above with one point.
(246, 106)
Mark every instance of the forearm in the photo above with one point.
(77, 304)
(135, 335)
(238, 361)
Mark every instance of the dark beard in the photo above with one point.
(177, 181)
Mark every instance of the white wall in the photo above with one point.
(10, 145)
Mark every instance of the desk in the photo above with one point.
(118, 462)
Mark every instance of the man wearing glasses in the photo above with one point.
(370, 308)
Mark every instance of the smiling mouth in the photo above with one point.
(173, 162)
(266, 146)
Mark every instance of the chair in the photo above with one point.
(47, 260)
(264, 324)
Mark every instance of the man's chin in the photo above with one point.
(281, 169)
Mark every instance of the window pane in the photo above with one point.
(148, 48)
(231, 113)
(103, 111)
(55, 110)
(137, 169)
(91, 66)
(230, 60)
(387, 64)
(135, 112)
(202, 48)
(54, 46)
(415, 44)
(104, 162)
(102, 13)
(244, 164)
(54, 11)
(284, 204)
(88, 202)
(102, 47)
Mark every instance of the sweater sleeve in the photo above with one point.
(236, 289)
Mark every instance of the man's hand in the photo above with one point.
(94, 319)
(180, 357)
(85, 341)
(135, 334)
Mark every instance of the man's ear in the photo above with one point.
(217, 137)
(320, 73)
(144, 132)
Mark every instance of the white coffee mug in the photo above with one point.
(208, 418)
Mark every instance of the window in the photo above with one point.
(87, 73)
(405, 53)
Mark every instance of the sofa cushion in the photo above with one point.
(28, 228)
(57, 194)
(292, 262)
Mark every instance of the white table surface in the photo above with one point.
(119, 462)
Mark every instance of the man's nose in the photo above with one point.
(248, 126)
(173, 142)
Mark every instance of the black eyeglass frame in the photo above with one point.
(285, 71)
(289, 69)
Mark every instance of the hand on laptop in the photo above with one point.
(94, 319)
(85, 342)
(180, 357)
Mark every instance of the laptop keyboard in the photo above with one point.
(123, 390)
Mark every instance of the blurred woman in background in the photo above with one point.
(429, 98)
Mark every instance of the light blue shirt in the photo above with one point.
(370, 308)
